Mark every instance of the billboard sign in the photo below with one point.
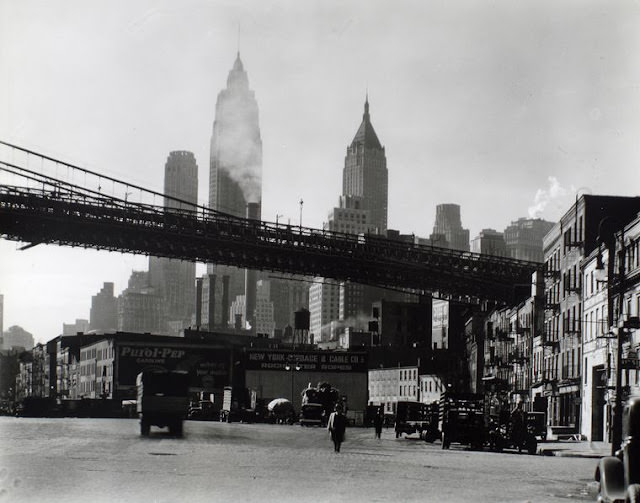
(311, 361)
(208, 367)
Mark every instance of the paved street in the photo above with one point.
(100, 460)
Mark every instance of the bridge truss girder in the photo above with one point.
(35, 216)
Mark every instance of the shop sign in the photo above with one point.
(307, 361)
(630, 363)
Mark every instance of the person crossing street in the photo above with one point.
(337, 425)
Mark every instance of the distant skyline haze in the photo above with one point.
(507, 109)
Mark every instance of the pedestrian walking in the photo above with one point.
(378, 420)
(337, 425)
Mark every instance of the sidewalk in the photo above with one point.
(574, 448)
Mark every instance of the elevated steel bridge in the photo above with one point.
(45, 209)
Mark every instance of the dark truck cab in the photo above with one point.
(163, 399)
(619, 475)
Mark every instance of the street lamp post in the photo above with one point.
(292, 366)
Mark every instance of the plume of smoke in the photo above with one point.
(555, 194)
(239, 147)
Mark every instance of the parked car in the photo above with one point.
(503, 435)
(619, 475)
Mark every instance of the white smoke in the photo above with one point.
(555, 194)
(239, 146)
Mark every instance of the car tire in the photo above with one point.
(532, 445)
(633, 494)
(145, 428)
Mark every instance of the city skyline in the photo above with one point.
(495, 107)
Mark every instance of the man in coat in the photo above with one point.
(337, 425)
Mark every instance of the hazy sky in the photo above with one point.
(506, 108)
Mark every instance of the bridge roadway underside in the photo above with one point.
(105, 224)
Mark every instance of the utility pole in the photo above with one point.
(607, 236)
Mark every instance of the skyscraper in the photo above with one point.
(104, 313)
(235, 176)
(174, 280)
(524, 238)
(362, 209)
(490, 242)
(449, 225)
(139, 308)
(365, 172)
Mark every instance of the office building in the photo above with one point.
(523, 238)
(447, 229)
(174, 280)
(235, 175)
(139, 308)
(490, 242)
(104, 314)
(365, 173)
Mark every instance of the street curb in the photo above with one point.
(569, 454)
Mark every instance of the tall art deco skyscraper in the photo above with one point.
(365, 172)
(235, 182)
(363, 208)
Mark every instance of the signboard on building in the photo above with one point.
(317, 361)
(631, 363)
(207, 367)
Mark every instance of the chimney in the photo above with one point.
(225, 302)
(198, 303)
(211, 302)
(250, 277)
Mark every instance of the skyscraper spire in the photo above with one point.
(366, 107)
(365, 171)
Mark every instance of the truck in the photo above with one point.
(417, 417)
(317, 404)
(461, 419)
(162, 400)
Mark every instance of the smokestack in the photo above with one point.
(211, 304)
(250, 277)
(198, 303)
(225, 301)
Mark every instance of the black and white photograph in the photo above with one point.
(319, 251)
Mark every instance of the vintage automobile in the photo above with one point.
(502, 435)
(619, 475)
(462, 419)
(416, 417)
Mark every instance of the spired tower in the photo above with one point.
(174, 280)
(235, 184)
(365, 186)
(365, 172)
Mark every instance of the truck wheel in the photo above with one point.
(145, 427)
(532, 445)
(633, 494)
(175, 428)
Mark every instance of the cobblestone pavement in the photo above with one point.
(96, 460)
